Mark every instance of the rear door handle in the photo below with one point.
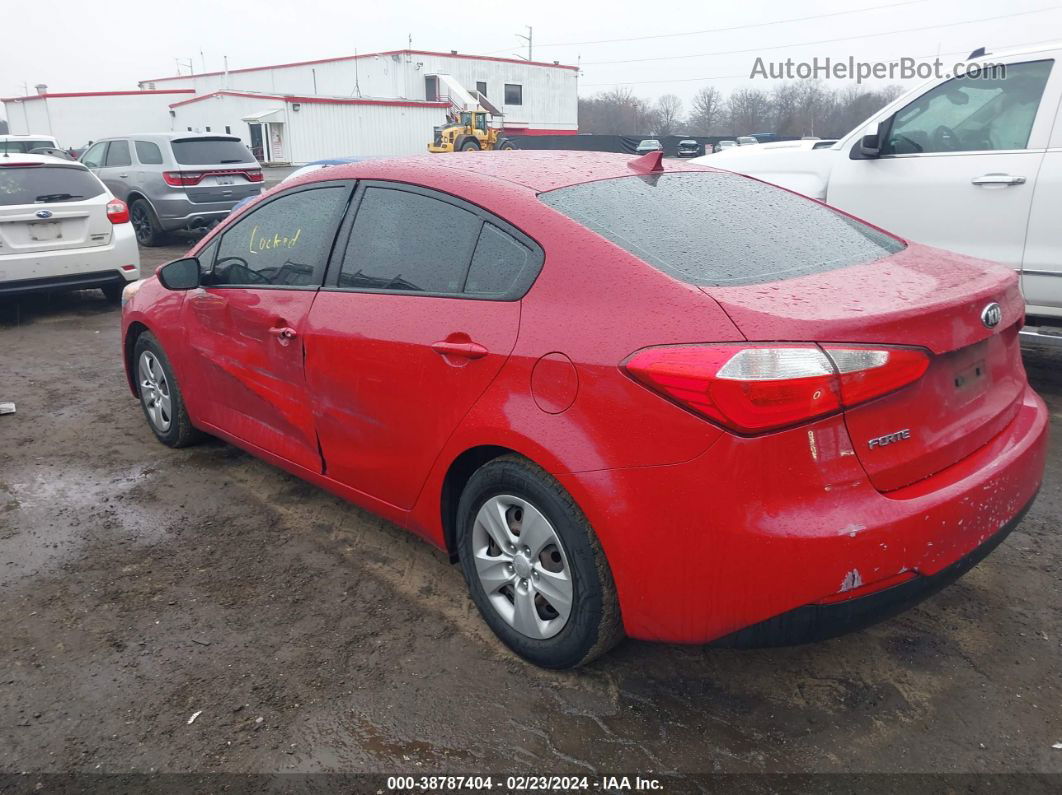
(998, 179)
(284, 334)
(466, 350)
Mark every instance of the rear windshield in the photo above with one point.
(24, 145)
(210, 151)
(46, 184)
(715, 229)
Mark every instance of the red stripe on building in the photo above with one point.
(98, 94)
(405, 103)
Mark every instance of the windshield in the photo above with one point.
(46, 184)
(718, 229)
(23, 145)
(210, 151)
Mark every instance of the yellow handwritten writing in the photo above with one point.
(259, 243)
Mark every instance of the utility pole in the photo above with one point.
(527, 38)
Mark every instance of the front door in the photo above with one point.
(958, 166)
(415, 321)
(245, 325)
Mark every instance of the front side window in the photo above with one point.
(970, 114)
(283, 243)
(717, 229)
(408, 242)
(514, 94)
(118, 154)
(148, 153)
(93, 158)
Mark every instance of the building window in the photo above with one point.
(208, 128)
(228, 130)
(514, 94)
(189, 129)
(481, 87)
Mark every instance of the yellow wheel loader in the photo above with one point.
(468, 131)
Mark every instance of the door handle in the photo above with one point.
(284, 334)
(466, 350)
(998, 179)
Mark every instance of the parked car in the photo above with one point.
(175, 181)
(969, 164)
(747, 140)
(689, 148)
(23, 144)
(649, 145)
(60, 228)
(568, 376)
(51, 151)
(728, 144)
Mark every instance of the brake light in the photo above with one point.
(752, 389)
(117, 211)
(180, 179)
(254, 176)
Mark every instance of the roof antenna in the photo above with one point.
(647, 164)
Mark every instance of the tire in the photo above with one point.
(470, 146)
(506, 145)
(520, 496)
(113, 293)
(172, 427)
(146, 225)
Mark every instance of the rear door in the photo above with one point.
(417, 317)
(245, 325)
(117, 166)
(50, 208)
(959, 163)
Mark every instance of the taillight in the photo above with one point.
(254, 176)
(180, 179)
(752, 389)
(117, 211)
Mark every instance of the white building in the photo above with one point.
(373, 104)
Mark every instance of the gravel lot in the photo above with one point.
(141, 585)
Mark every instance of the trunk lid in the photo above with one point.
(917, 297)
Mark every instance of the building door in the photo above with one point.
(257, 142)
(276, 142)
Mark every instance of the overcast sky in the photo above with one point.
(74, 46)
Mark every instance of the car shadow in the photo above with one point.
(24, 310)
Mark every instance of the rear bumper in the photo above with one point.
(179, 212)
(756, 528)
(72, 269)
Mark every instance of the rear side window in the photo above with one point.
(500, 263)
(46, 185)
(210, 151)
(714, 229)
(118, 154)
(408, 242)
(282, 243)
(148, 153)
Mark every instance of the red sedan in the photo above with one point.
(629, 397)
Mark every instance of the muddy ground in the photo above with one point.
(140, 586)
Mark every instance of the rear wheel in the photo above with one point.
(534, 566)
(160, 397)
(146, 226)
(505, 144)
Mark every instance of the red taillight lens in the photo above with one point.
(179, 179)
(117, 211)
(254, 176)
(752, 389)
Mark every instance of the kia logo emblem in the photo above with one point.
(44, 213)
(991, 315)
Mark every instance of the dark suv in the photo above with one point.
(175, 180)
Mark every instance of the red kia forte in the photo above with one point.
(628, 397)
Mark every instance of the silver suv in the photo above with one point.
(175, 181)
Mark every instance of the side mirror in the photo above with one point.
(870, 146)
(181, 274)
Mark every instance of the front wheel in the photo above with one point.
(470, 146)
(534, 567)
(160, 397)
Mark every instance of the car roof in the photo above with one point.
(166, 136)
(15, 158)
(540, 170)
(25, 136)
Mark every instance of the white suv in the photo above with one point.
(60, 228)
(971, 164)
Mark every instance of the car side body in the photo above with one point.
(393, 400)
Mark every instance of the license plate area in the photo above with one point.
(225, 180)
(45, 230)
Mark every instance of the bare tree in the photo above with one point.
(668, 114)
(749, 110)
(616, 112)
(707, 111)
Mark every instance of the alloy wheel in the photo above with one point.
(522, 566)
(155, 392)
